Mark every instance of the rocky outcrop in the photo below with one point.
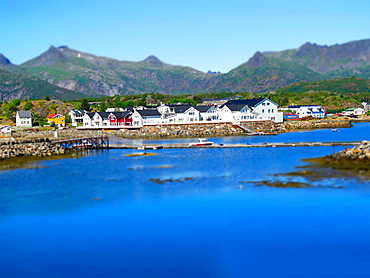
(315, 124)
(361, 153)
(38, 147)
(182, 131)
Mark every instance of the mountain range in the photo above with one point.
(66, 73)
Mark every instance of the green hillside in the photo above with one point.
(20, 86)
(263, 74)
(332, 94)
(338, 85)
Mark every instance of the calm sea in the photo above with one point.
(186, 213)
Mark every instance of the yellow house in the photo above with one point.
(58, 119)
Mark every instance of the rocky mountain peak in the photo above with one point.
(4, 60)
(311, 50)
(52, 53)
(257, 60)
(152, 61)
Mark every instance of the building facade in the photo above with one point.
(23, 119)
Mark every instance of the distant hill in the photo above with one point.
(262, 74)
(21, 86)
(89, 74)
(327, 59)
(339, 85)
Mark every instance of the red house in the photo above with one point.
(120, 118)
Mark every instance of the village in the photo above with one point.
(236, 111)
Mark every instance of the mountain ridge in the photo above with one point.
(89, 74)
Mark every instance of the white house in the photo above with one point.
(353, 112)
(208, 112)
(315, 111)
(184, 113)
(260, 109)
(146, 117)
(236, 113)
(97, 119)
(87, 119)
(23, 119)
(76, 117)
(100, 119)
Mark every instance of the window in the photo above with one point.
(263, 110)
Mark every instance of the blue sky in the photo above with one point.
(205, 35)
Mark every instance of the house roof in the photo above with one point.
(51, 116)
(203, 108)
(352, 109)
(91, 114)
(103, 114)
(180, 108)
(234, 107)
(249, 102)
(149, 112)
(78, 111)
(24, 114)
(239, 104)
(120, 115)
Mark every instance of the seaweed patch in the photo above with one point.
(163, 181)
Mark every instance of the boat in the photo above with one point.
(83, 144)
(201, 142)
(335, 130)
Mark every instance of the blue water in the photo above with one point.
(185, 213)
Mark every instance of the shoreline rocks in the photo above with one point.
(316, 124)
(357, 153)
(38, 147)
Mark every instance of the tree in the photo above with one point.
(85, 105)
(68, 119)
(46, 97)
(16, 102)
(102, 107)
(28, 106)
(197, 99)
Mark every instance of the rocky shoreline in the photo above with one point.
(353, 162)
(38, 147)
(357, 153)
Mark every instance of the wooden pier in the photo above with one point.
(84, 143)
